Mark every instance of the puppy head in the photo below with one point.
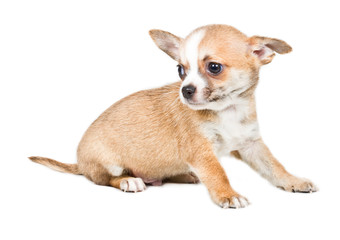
(217, 63)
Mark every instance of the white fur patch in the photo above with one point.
(115, 170)
(228, 133)
(190, 53)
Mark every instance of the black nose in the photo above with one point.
(188, 91)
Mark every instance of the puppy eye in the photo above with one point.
(215, 68)
(181, 71)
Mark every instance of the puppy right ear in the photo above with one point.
(264, 48)
(167, 42)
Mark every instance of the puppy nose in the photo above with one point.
(188, 91)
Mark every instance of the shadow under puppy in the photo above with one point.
(177, 132)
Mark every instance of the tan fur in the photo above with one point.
(226, 44)
(153, 148)
(152, 135)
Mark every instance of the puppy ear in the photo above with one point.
(167, 42)
(264, 48)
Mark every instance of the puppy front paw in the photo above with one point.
(295, 184)
(233, 201)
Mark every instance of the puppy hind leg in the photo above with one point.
(127, 183)
(123, 179)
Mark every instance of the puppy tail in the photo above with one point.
(58, 166)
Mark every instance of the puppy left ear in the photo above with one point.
(264, 48)
(167, 42)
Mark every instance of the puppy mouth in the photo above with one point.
(218, 95)
(217, 98)
(222, 95)
(196, 105)
(190, 102)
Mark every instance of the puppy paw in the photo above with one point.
(132, 185)
(234, 201)
(296, 184)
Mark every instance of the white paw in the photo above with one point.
(235, 202)
(132, 185)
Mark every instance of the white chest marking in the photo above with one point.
(229, 133)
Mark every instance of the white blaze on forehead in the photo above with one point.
(191, 54)
(191, 50)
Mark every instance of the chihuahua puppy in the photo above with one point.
(178, 132)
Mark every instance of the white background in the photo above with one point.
(62, 63)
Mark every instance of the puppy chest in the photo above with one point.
(230, 132)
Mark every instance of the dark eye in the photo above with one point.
(181, 71)
(215, 68)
